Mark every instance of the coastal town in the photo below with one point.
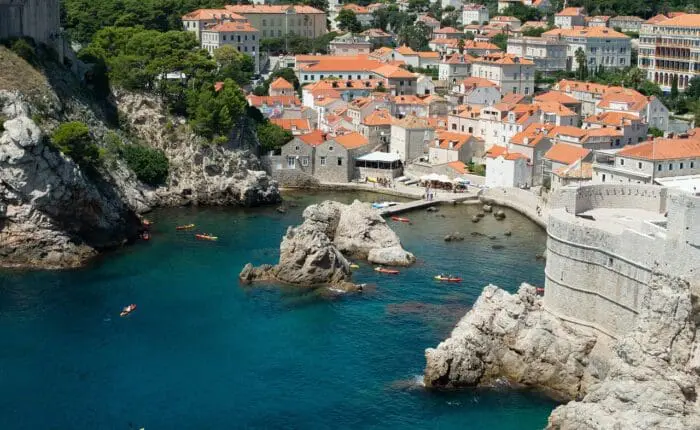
(123, 123)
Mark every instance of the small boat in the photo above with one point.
(185, 227)
(354, 266)
(201, 236)
(146, 235)
(383, 205)
(539, 290)
(146, 223)
(387, 271)
(443, 278)
(400, 219)
(127, 310)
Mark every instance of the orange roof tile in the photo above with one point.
(428, 54)
(412, 122)
(685, 20)
(657, 19)
(634, 100)
(281, 84)
(233, 27)
(356, 8)
(458, 167)
(571, 11)
(663, 149)
(568, 130)
(444, 138)
(586, 33)
(378, 117)
(579, 86)
(405, 50)
(503, 58)
(447, 30)
(577, 170)
(566, 153)
(292, 123)
(556, 96)
(211, 14)
(496, 151)
(273, 100)
(478, 83)
(532, 135)
(391, 71)
(314, 138)
(512, 98)
(351, 140)
(342, 64)
(555, 108)
(602, 132)
(612, 118)
(271, 9)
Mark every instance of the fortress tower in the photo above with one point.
(38, 19)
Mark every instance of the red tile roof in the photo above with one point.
(378, 117)
(233, 27)
(351, 140)
(663, 149)
(281, 84)
(301, 124)
(314, 138)
(566, 153)
(271, 9)
(458, 167)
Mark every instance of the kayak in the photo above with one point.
(539, 290)
(206, 237)
(184, 227)
(127, 310)
(447, 279)
(354, 266)
(401, 219)
(387, 271)
(145, 235)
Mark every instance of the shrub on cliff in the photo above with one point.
(25, 50)
(150, 165)
(74, 139)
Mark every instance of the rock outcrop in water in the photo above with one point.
(51, 214)
(650, 381)
(312, 254)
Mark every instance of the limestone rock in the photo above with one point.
(510, 336)
(391, 256)
(52, 214)
(454, 237)
(312, 253)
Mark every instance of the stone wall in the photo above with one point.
(596, 275)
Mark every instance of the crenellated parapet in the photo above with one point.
(604, 242)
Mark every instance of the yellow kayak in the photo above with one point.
(354, 266)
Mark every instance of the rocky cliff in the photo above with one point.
(200, 173)
(312, 253)
(53, 213)
(649, 379)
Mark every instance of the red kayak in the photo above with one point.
(146, 235)
(447, 279)
(387, 271)
(400, 219)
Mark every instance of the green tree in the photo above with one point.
(460, 46)
(272, 136)
(500, 40)
(234, 64)
(674, 88)
(150, 165)
(74, 139)
(347, 21)
(522, 12)
(535, 31)
(415, 36)
(580, 57)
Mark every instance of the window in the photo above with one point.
(296, 148)
(264, 22)
(670, 166)
(639, 165)
(681, 166)
(239, 38)
(692, 164)
(622, 162)
(253, 36)
(323, 161)
(245, 37)
(659, 167)
(306, 77)
(330, 148)
(291, 163)
(304, 161)
(340, 161)
(454, 126)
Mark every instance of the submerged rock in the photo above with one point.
(454, 237)
(488, 208)
(475, 219)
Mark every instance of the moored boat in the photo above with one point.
(443, 278)
(400, 219)
(146, 235)
(185, 227)
(127, 310)
(386, 271)
(354, 266)
(202, 236)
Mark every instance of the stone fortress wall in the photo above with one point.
(38, 19)
(598, 271)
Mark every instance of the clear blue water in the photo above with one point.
(203, 352)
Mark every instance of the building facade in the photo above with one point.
(241, 35)
(603, 46)
(474, 13)
(348, 44)
(275, 21)
(513, 75)
(570, 17)
(670, 50)
(549, 55)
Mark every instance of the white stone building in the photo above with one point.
(549, 55)
(602, 46)
(626, 23)
(240, 35)
(570, 17)
(410, 138)
(279, 20)
(349, 44)
(648, 162)
(472, 12)
(455, 68)
(449, 146)
(512, 74)
(475, 92)
(507, 169)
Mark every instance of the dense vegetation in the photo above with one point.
(294, 44)
(74, 139)
(272, 136)
(149, 165)
(286, 73)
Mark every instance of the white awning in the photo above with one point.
(383, 157)
(434, 177)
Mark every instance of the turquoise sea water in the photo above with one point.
(203, 352)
